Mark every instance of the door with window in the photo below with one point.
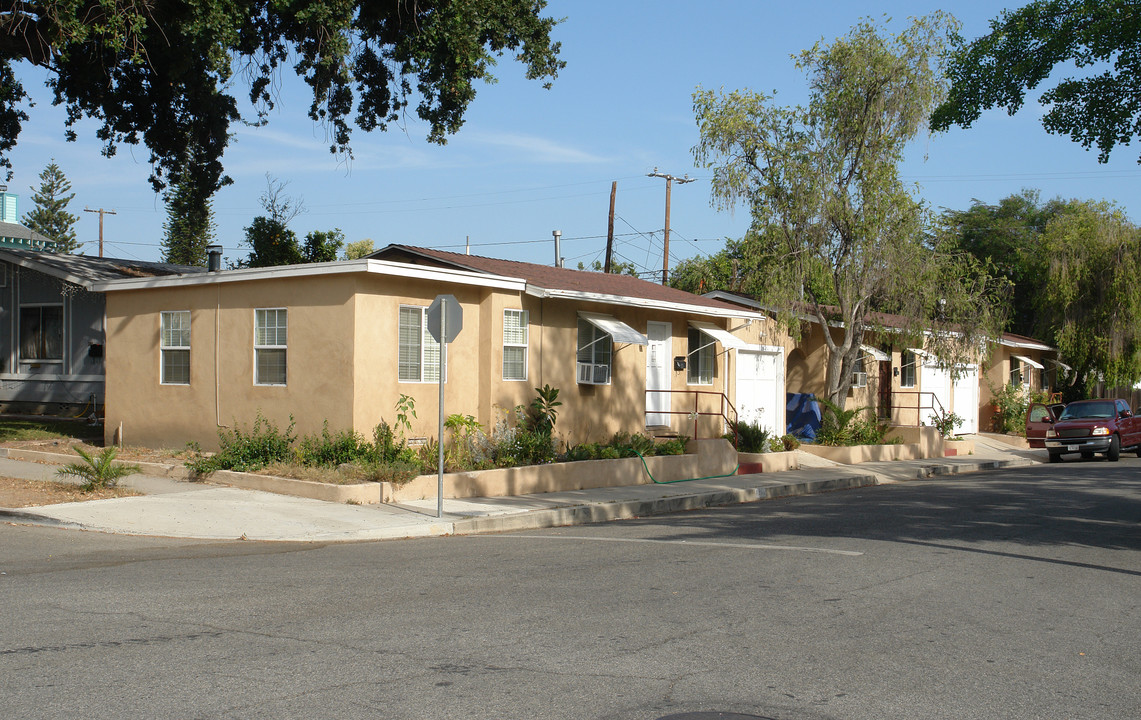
(660, 336)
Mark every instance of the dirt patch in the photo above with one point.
(132, 454)
(20, 493)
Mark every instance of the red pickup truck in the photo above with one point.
(1087, 427)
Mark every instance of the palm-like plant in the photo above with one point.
(99, 471)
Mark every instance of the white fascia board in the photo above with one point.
(342, 267)
(625, 301)
(1032, 345)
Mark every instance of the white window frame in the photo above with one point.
(259, 347)
(696, 358)
(425, 343)
(1017, 377)
(904, 357)
(525, 318)
(165, 349)
(598, 345)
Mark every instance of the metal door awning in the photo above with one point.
(616, 329)
(727, 339)
(878, 355)
(1028, 361)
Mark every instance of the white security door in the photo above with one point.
(660, 336)
(966, 397)
(760, 389)
(934, 382)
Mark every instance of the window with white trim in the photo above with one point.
(418, 352)
(515, 344)
(701, 358)
(595, 349)
(41, 333)
(1015, 372)
(907, 369)
(174, 344)
(270, 343)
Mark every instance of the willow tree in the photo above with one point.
(823, 179)
(1091, 292)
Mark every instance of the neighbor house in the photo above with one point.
(343, 342)
(908, 385)
(51, 328)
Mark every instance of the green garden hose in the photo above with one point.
(671, 482)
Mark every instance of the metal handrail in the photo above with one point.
(723, 413)
(917, 407)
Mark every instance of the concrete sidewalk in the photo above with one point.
(174, 508)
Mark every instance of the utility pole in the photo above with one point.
(666, 241)
(101, 212)
(610, 228)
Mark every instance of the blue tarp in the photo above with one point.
(802, 413)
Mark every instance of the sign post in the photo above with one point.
(445, 320)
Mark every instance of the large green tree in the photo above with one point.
(189, 225)
(1100, 106)
(50, 217)
(1007, 236)
(823, 186)
(1091, 294)
(162, 73)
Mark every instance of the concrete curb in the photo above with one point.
(589, 513)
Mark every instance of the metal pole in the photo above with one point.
(440, 432)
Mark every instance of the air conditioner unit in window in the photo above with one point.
(593, 374)
(859, 379)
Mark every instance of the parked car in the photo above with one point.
(1088, 427)
(1039, 419)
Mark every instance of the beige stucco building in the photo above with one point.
(342, 342)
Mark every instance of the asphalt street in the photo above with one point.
(1009, 594)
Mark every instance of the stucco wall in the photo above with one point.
(343, 345)
(221, 392)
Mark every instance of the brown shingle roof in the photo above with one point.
(551, 278)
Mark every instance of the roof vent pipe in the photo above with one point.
(558, 250)
(213, 258)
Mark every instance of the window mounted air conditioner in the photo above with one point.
(859, 379)
(593, 374)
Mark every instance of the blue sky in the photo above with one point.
(529, 161)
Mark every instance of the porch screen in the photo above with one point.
(41, 332)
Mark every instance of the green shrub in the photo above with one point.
(844, 428)
(673, 446)
(332, 449)
(748, 437)
(1010, 405)
(789, 442)
(98, 471)
(946, 423)
(397, 472)
(246, 451)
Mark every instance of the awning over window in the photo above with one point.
(1028, 361)
(618, 330)
(876, 354)
(727, 339)
(1061, 364)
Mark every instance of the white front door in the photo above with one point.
(934, 382)
(760, 389)
(966, 397)
(660, 336)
